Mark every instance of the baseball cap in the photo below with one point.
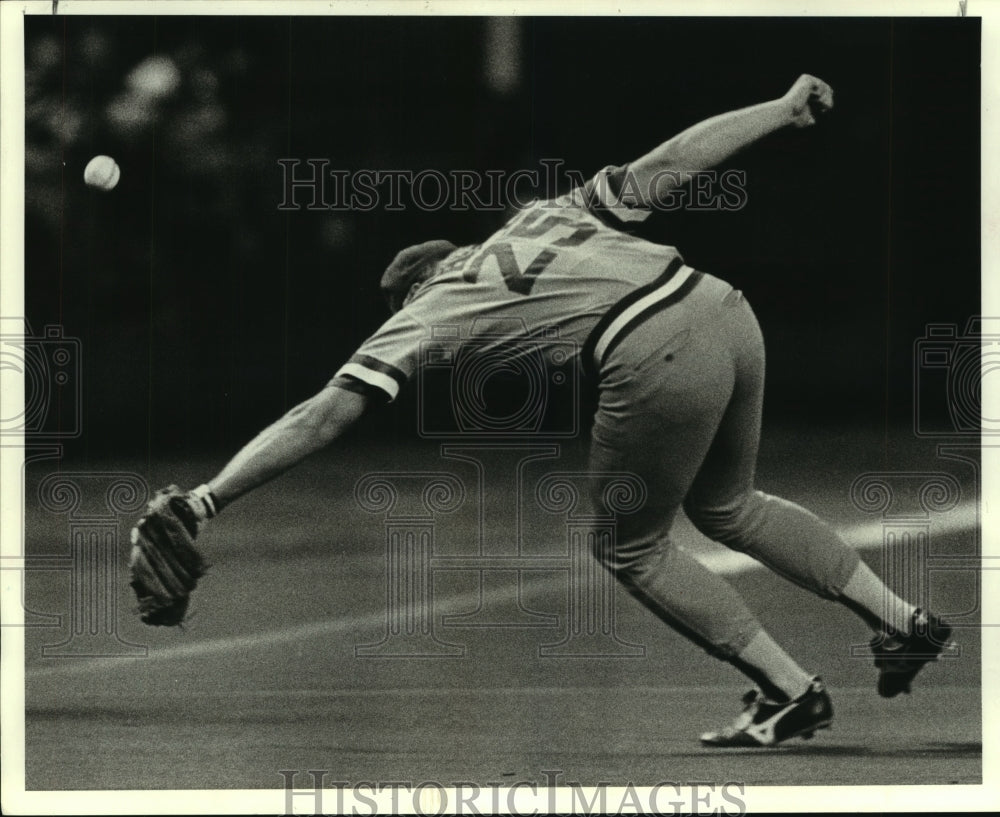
(407, 267)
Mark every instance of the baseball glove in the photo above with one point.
(165, 565)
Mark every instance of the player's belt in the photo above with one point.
(676, 281)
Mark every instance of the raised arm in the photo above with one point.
(715, 140)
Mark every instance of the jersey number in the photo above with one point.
(517, 280)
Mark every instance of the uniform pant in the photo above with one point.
(680, 406)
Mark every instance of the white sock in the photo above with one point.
(868, 591)
(766, 655)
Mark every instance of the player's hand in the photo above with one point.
(808, 97)
(165, 564)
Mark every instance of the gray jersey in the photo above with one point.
(561, 270)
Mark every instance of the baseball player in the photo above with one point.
(678, 359)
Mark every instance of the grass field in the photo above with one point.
(266, 676)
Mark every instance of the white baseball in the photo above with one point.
(102, 172)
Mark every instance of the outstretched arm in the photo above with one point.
(304, 430)
(165, 565)
(376, 372)
(715, 140)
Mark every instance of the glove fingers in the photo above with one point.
(162, 539)
(157, 605)
(167, 569)
(165, 564)
(145, 580)
(177, 532)
(160, 615)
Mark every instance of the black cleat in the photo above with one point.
(900, 657)
(765, 723)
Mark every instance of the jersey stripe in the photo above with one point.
(349, 383)
(600, 328)
(628, 314)
(377, 365)
(611, 200)
(606, 187)
(676, 281)
(375, 373)
(691, 278)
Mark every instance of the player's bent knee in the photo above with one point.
(729, 524)
(652, 578)
(629, 559)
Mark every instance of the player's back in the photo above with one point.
(562, 271)
(555, 265)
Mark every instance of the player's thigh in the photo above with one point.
(729, 467)
(663, 393)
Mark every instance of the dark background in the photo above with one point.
(204, 312)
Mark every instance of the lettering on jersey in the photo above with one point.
(530, 226)
(584, 230)
(515, 280)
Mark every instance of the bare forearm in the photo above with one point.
(713, 141)
(707, 144)
(303, 431)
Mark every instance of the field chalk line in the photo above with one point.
(863, 536)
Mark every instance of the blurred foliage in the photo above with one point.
(185, 282)
(204, 311)
(160, 108)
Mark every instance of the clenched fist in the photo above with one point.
(807, 97)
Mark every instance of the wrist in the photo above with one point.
(782, 111)
(203, 502)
